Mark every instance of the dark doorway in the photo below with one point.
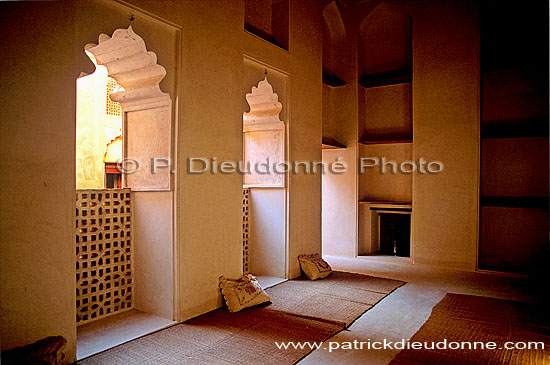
(395, 234)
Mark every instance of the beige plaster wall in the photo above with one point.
(303, 65)
(446, 128)
(338, 109)
(153, 263)
(259, 14)
(331, 122)
(384, 182)
(148, 142)
(209, 205)
(267, 239)
(513, 238)
(339, 192)
(305, 129)
(514, 167)
(514, 94)
(385, 112)
(37, 189)
(339, 199)
(367, 229)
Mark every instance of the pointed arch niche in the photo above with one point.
(265, 136)
(147, 110)
(149, 127)
(334, 46)
(336, 64)
(385, 66)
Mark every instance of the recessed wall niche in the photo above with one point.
(384, 41)
(334, 46)
(384, 102)
(265, 117)
(264, 136)
(263, 123)
(385, 75)
(268, 19)
(514, 196)
(335, 65)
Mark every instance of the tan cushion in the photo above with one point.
(314, 266)
(242, 293)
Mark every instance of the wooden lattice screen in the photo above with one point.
(104, 283)
(246, 195)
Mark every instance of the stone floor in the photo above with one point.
(103, 334)
(109, 332)
(268, 281)
(396, 317)
(402, 313)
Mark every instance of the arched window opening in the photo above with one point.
(146, 108)
(122, 115)
(264, 179)
(98, 125)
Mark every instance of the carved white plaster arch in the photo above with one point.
(147, 109)
(127, 60)
(263, 136)
(264, 108)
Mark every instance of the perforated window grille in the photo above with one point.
(113, 108)
(104, 282)
(246, 194)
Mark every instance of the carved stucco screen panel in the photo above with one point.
(246, 228)
(147, 109)
(104, 279)
(263, 138)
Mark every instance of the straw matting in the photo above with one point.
(301, 310)
(466, 318)
(340, 297)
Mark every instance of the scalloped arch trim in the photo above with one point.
(127, 60)
(264, 108)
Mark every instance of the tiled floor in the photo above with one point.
(103, 334)
(403, 312)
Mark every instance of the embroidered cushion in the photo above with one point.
(242, 293)
(314, 266)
